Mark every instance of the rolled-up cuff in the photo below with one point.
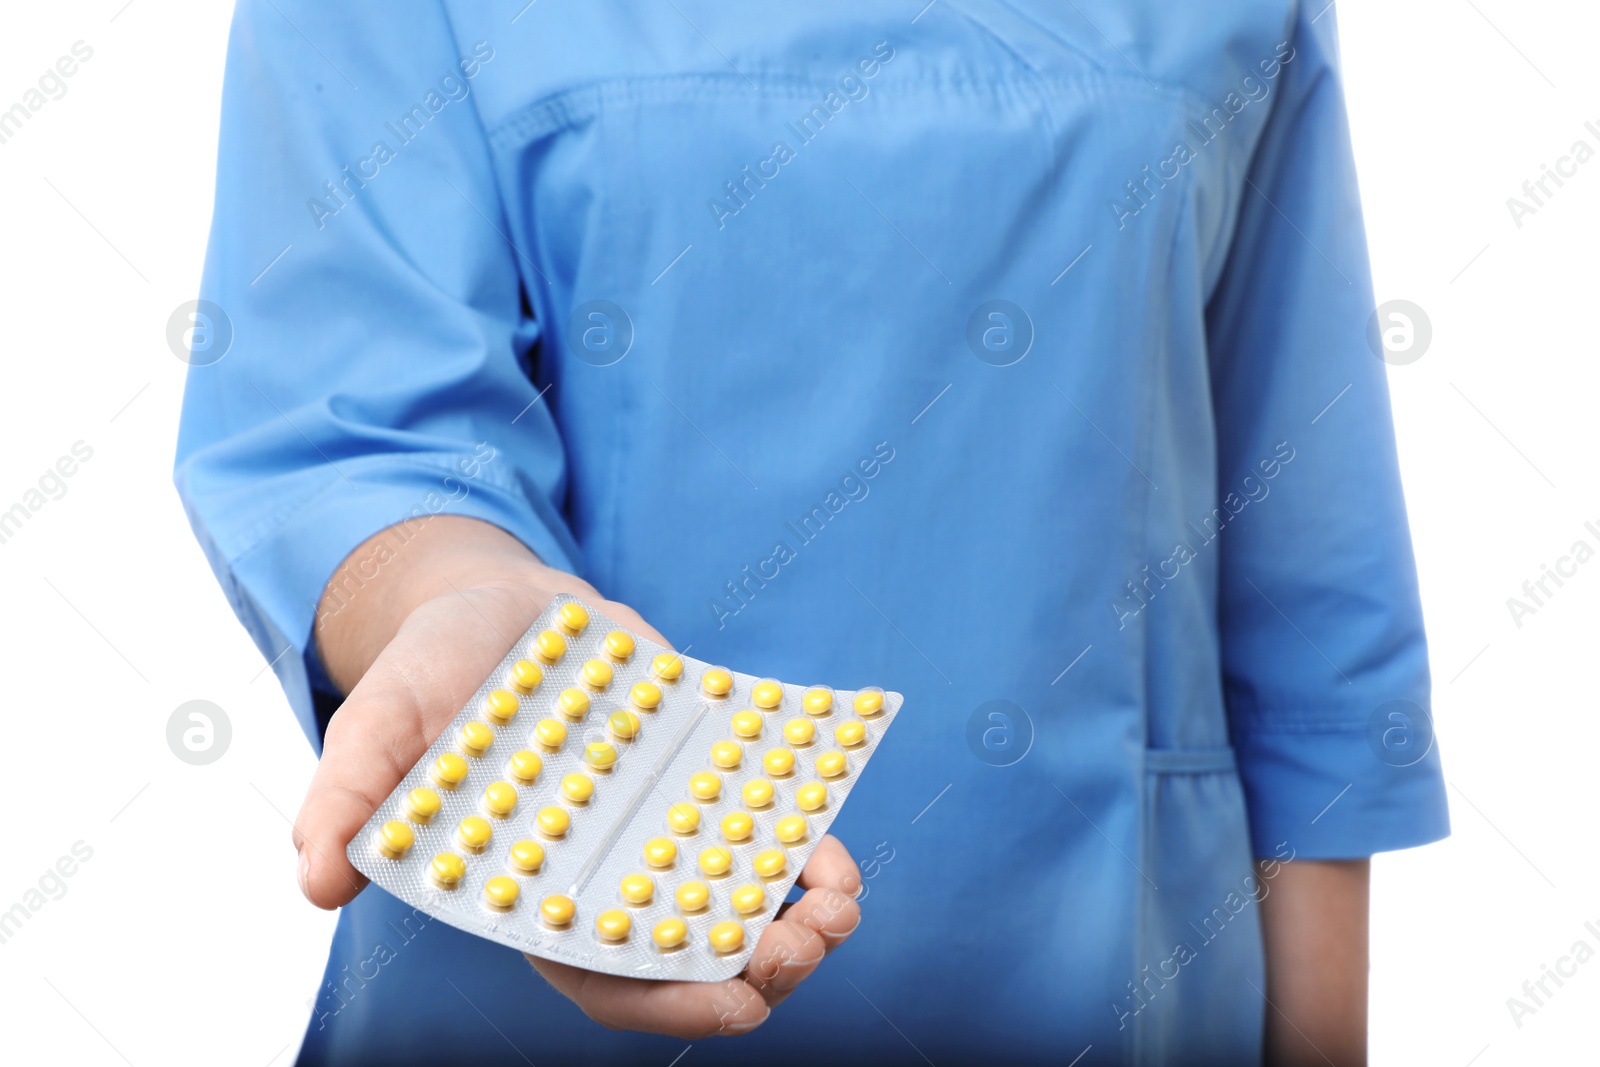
(1336, 793)
(276, 584)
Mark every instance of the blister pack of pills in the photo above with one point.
(607, 803)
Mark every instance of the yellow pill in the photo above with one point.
(553, 821)
(422, 804)
(869, 702)
(638, 888)
(474, 833)
(447, 869)
(395, 839)
(817, 701)
(475, 737)
(557, 910)
(799, 731)
(527, 856)
(597, 674)
(501, 892)
(693, 896)
(832, 764)
(449, 770)
(660, 852)
(670, 933)
(811, 796)
(790, 828)
(704, 785)
(572, 618)
(624, 725)
(683, 818)
(769, 862)
(573, 703)
(716, 682)
(715, 860)
(550, 646)
(619, 644)
(551, 733)
(501, 706)
(646, 696)
(727, 937)
(613, 925)
(727, 754)
(850, 734)
(747, 724)
(500, 799)
(526, 766)
(666, 667)
(747, 899)
(526, 675)
(778, 762)
(577, 788)
(767, 694)
(600, 755)
(757, 793)
(737, 826)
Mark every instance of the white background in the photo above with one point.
(183, 938)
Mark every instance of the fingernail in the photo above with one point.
(744, 1028)
(836, 936)
(304, 873)
(855, 880)
(790, 975)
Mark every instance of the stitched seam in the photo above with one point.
(290, 511)
(572, 106)
(1302, 726)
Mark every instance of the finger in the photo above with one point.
(784, 957)
(687, 1010)
(407, 697)
(806, 931)
(795, 943)
(830, 867)
(827, 912)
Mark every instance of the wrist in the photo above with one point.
(399, 569)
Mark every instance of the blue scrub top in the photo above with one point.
(1010, 354)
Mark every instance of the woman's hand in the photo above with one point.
(789, 950)
(410, 645)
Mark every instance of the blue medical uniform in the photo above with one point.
(1013, 355)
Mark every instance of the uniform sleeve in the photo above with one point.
(369, 317)
(1324, 657)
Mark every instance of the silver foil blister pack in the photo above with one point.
(630, 862)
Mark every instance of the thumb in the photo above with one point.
(439, 657)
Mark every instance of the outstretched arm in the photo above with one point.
(410, 647)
